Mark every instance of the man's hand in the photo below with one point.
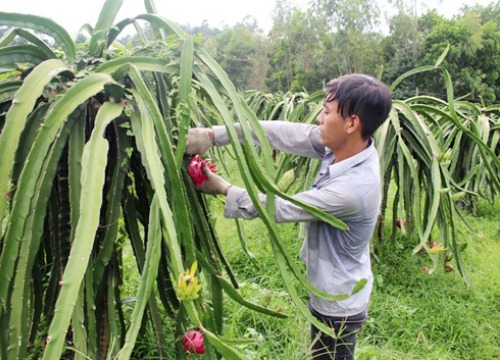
(199, 141)
(214, 184)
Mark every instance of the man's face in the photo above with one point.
(333, 127)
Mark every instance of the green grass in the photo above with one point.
(413, 315)
(420, 316)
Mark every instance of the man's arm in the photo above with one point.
(335, 202)
(240, 205)
(293, 138)
(339, 200)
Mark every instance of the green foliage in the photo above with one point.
(296, 51)
(308, 46)
(463, 46)
(357, 16)
(400, 53)
(240, 50)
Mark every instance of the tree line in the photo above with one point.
(306, 47)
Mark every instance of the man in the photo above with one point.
(347, 186)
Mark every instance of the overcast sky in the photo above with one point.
(73, 14)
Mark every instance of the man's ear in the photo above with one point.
(354, 124)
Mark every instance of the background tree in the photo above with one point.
(488, 55)
(297, 50)
(399, 53)
(351, 24)
(474, 71)
(241, 53)
(307, 47)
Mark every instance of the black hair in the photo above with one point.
(362, 95)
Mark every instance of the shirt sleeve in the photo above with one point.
(292, 138)
(336, 202)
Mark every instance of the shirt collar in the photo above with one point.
(341, 167)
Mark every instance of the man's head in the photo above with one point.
(363, 96)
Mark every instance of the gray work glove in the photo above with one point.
(214, 184)
(199, 141)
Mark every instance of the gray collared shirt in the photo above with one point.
(349, 190)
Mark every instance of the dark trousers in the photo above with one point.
(325, 347)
